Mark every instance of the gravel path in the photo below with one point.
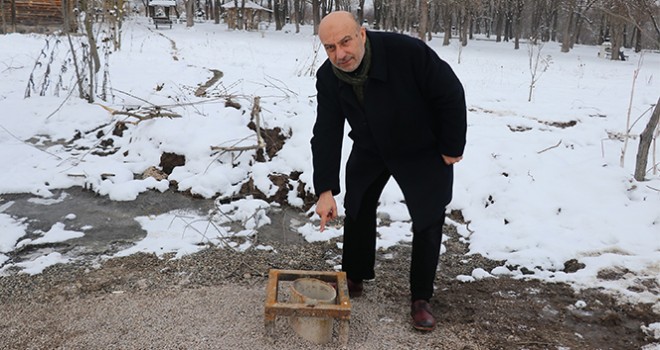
(215, 300)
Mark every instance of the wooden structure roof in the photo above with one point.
(248, 5)
(251, 17)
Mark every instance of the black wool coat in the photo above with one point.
(414, 112)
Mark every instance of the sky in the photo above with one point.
(541, 182)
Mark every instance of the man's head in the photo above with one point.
(343, 39)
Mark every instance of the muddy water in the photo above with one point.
(109, 226)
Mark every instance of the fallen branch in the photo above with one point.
(151, 115)
(234, 148)
(142, 115)
(549, 148)
(10, 67)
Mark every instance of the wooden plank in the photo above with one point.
(304, 310)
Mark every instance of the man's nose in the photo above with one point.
(341, 53)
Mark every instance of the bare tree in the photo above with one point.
(94, 62)
(569, 21)
(537, 64)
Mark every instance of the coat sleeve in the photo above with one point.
(328, 135)
(446, 97)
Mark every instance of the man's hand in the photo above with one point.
(451, 160)
(326, 207)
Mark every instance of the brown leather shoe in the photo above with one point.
(422, 318)
(355, 288)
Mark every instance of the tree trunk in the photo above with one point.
(277, 8)
(508, 21)
(553, 26)
(66, 16)
(616, 39)
(518, 23)
(295, 13)
(566, 37)
(378, 6)
(471, 24)
(285, 12)
(537, 19)
(216, 12)
(578, 29)
(118, 19)
(190, 12)
(316, 15)
(447, 23)
(423, 18)
(638, 39)
(645, 143)
(94, 60)
(361, 11)
(13, 16)
(463, 25)
(499, 23)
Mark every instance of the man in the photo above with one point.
(406, 110)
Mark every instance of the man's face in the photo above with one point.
(344, 45)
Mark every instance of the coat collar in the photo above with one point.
(378, 57)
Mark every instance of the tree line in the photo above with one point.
(631, 24)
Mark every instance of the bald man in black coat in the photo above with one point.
(407, 116)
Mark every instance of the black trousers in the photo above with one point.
(359, 249)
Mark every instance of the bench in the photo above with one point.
(606, 52)
(162, 20)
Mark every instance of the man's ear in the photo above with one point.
(363, 34)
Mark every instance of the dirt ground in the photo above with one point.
(215, 300)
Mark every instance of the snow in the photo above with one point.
(57, 233)
(652, 330)
(540, 183)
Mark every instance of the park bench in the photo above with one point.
(606, 52)
(161, 21)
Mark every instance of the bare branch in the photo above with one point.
(29, 144)
(549, 148)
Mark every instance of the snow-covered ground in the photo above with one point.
(540, 184)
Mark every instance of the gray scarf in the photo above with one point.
(358, 77)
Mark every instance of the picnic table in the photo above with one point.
(161, 21)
